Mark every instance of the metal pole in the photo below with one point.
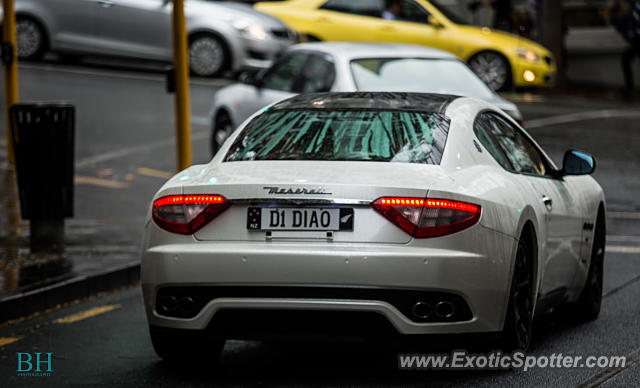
(183, 122)
(10, 68)
(10, 61)
(553, 31)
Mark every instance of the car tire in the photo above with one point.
(492, 68)
(587, 307)
(31, 39)
(179, 347)
(208, 55)
(221, 129)
(518, 324)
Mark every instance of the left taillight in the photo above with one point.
(430, 217)
(185, 214)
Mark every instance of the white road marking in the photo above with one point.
(581, 116)
(118, 74)
(624, 215)
(134, 150)
(623, 238)
(622, 249)
(201, 120)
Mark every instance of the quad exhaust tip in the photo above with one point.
(187, 305)
(168, 303)
(445, 309)
(422, 310)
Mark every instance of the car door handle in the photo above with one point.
(388, 28)
(548, 202)
(323, 19)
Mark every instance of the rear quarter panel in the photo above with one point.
(477, 178)
(476, 175)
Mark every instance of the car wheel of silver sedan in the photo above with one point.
(207, 55)
(492, 68)
(31, 40)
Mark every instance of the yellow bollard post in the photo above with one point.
(12, 260)
(10, 69)
(183, 122)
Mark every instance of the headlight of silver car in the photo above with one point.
(250, 29)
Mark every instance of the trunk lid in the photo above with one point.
(304, 184)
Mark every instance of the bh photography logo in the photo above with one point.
(34, 364)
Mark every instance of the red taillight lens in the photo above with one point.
(428, 217)
(185, 214)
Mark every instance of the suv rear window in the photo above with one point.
(357, 135)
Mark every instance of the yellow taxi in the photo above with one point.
(500, 59)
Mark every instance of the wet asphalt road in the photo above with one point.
(124, 134)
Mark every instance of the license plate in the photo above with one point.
(271, 218)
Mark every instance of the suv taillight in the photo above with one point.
(185, 214)
(428, 217)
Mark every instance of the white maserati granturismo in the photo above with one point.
(384, 214)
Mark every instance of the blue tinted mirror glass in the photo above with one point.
(578, 163)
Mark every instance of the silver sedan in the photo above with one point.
(222, 36)
(346, 67)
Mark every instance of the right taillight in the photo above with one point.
(185, 214)
(432, 217)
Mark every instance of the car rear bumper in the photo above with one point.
(387, 279)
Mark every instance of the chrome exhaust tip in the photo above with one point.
(422, 310)
(445, 309)
(187, 305)
(168, 303)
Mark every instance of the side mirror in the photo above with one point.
(250, 78)
(434, 22)
(246, 78)
(578, 163)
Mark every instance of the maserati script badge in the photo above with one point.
(289, 190)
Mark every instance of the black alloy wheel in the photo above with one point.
(518, 324)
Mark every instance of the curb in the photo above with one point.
(27, 303)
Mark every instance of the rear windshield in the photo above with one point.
(448, 76)
(358, 135)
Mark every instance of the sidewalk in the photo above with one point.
(97, 257)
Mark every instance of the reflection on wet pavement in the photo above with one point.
(90, 246)
(12, 230)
